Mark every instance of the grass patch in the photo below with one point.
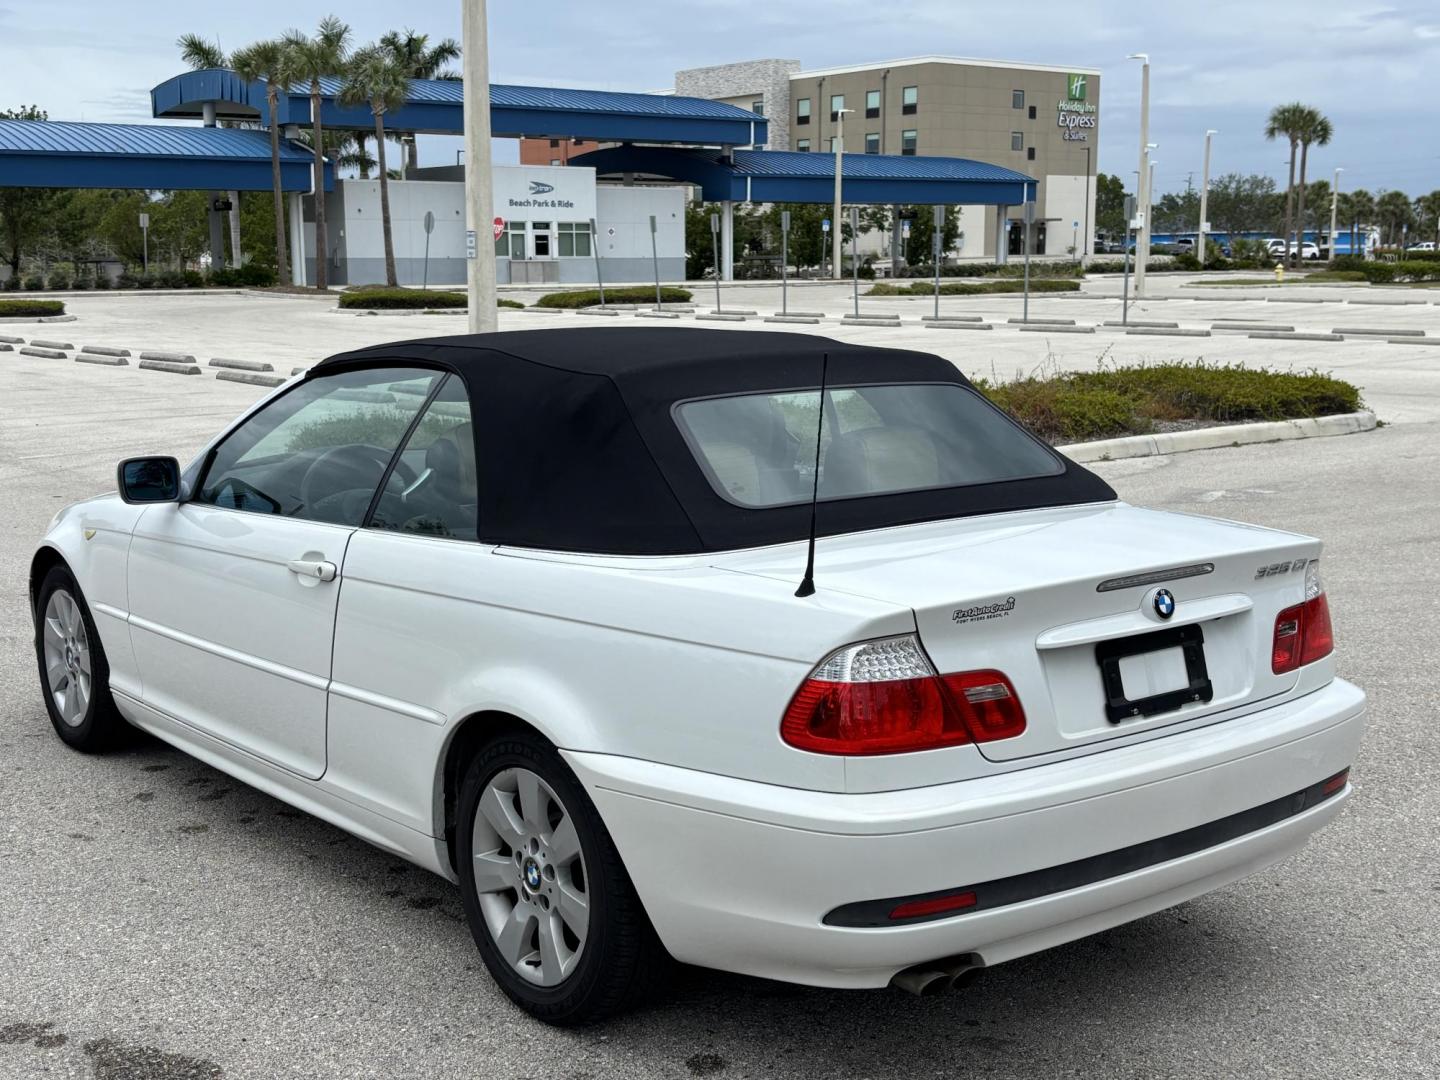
(31, 308)
(634, 294)
(1336, 275)
(1133, 399)
(372, 298)
(972, 288)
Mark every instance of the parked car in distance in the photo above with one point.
(763, 652)
(1425, 245)
(1107, 246)
(1309, 250)
(1186, 245)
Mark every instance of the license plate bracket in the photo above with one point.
(1189, 639)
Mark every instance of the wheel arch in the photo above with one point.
(469, 736)
(45, 559)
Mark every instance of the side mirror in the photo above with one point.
(149, 479)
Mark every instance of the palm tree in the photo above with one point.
(272, 63)
(1394, 212)
(373, 78)
(316, 58)
(203, 55)
(1287, 120)
(1428, 207)
(1314, 128)
(1361, 211)
(415, 56)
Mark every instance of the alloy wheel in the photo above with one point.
(67, 658)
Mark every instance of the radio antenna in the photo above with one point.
(807, 583)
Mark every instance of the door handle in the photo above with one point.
(318, 569)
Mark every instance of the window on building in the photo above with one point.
(1017, 140)
(1017, 99)
(1030, 153)
(574, 239)
(802, 145)
(909, 140)
(872, 142)
(872, 104)
(554, 142)
(540, 242)
(802, 111)
(512, 241)
(837, 102)
(579, 142)
(910, 100)
(554, 161)
(1032, 112)
(758, 107)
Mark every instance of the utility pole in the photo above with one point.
(1142, 243)
(479, 183)
(835, 268)
(1335, 206)
(1204, 201)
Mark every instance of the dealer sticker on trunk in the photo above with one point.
(984, 612)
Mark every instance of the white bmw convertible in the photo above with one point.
(763, 652)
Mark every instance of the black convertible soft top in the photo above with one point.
(578, 448)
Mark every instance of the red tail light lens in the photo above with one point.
(936, 905)
(883, 697)
(1303, 633)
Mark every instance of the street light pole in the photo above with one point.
(839, 138)
(1142, 244)
(479, 184)
(1204, 202)
(1334, 206)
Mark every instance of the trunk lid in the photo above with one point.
(1045, 595)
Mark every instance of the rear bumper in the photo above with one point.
(740, 876)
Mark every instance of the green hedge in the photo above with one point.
(1130, 400)
(973, 288)
(31, 308)
(633, 294)
(1336, 275)
(379, 298)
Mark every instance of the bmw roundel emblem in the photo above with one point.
(1164, 603)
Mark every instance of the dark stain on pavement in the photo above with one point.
(705, 1064)
(155, 768)
(115, 1060)
(25, 1031)
(194, 828)
(143, 796)
(218, 793)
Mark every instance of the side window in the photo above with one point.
(318, 452)
(432, 490)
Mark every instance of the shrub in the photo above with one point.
(34, 283)
(10, 284)
(1187, 261)
(972, 288)
(1130, 400)
(249, 276)
(1417, 269)
(102, 281)
(81, 282)
(391, 299)
(59, 281)
(31, 308)
(1336, 275)
(634, 294)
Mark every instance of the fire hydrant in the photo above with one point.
(1280, 274)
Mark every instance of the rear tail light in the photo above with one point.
(884, 697)
(1303, 633)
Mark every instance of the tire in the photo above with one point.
(67, 644)
(524, 883)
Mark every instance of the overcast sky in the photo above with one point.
(1371, 67)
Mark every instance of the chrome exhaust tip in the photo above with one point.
(939, 976)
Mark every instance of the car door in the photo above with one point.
(233, 591)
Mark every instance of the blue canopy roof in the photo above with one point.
(435, 106)
(794, 176)
(40, 153)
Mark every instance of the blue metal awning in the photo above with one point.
(436, 106)
(39, 153)
(793, 176)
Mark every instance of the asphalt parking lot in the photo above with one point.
(160, 920)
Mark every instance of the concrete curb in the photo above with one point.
(791, 319)
(104, 361)
(1300, 300)
(168, 357)
(6, 347)
(12, 340)
(1275, 335)
(952, 318)
(735, 311)
(1274, 328)
(1370, 331)
(1169, 331)
(48, 354)
(1032, 328)
(41, 343)
(1178, 442)
(597, 311)
(1143, 323)
(657, 314)
(241, 365)
(1042, 322)
(36, 318)
(723, 316)
(251, 377)
(166, 365)
(1386, 301)
(944, 325)
(851, 320)
(103, 350)
(799, 315)
(1412, 341)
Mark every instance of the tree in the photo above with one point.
(1393, 213)
(273, 63)
(920, 247)
(1177, 211)
(203, 55)
(418, 59)
(372, 77)
(1109, 205)
(1314, 128)
(1427, 207)
(1359, 210)
(1240, 204)
(313, 59)
(1287, 121)
(23, 210)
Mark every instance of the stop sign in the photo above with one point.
(499, 227)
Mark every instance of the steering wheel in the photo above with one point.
(352, 467)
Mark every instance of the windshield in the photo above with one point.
(758, 450)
